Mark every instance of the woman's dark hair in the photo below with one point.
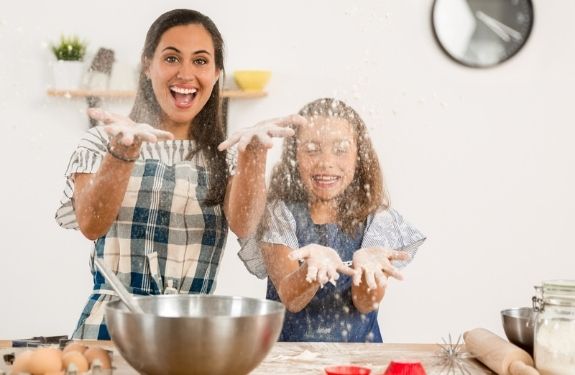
(364, 195)
(207, 128)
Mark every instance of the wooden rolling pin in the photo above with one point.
(498, 354)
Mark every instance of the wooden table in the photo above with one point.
(312, 358)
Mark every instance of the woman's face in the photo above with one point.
(183, 72)
(326, 156)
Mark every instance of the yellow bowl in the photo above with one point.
(252, 80)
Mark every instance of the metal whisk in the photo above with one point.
(452, 358)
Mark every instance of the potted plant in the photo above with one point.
(69, 65)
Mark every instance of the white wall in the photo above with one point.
(480, 160)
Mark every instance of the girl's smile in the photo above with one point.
(325, 180)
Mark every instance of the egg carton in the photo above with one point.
(34, 342)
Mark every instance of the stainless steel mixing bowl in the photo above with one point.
(519, 324)
(195, 334)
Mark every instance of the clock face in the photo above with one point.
(482, 33)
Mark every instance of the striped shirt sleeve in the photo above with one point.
(387, 228)
(281, 227)
(85, 159)
(281, 230)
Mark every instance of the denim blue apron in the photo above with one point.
(330, 316)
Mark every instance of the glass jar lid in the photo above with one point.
(556, 292)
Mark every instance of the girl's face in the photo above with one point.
(326, 156)
(183, 72)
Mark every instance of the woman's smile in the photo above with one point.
(183, 96)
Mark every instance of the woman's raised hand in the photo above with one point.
(323, 263)
(262, 133)
(374, 263)
(127, 132)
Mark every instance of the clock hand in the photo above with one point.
(492, 26)
(502, 30)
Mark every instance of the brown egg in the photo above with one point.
(77, 359)
(95, 352)
(21, 362)
(45, 360)
(74, 347)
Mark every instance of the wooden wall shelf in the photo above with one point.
(123, 94)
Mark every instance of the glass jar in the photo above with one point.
(554, 344)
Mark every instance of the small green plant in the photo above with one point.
(69, 48)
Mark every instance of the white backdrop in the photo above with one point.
(480, 160)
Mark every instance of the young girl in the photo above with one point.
(328, 231)
(154, 191)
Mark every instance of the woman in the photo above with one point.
(155, 191)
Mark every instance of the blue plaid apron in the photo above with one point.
(164, 240)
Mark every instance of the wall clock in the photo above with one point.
(482, 33)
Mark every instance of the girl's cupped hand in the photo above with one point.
(374, 263)
(323, 263)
